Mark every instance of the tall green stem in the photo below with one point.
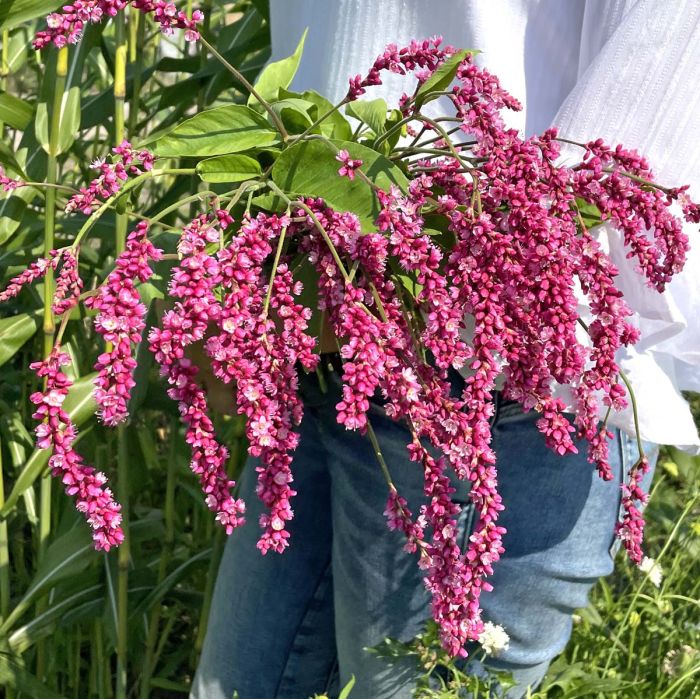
(137, 39)
(241, 79)
(49, 327)
(4, 66)
(120, 60)
(4, 554)
(168, 543)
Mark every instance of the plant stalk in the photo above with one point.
(123, 554)
(4, 554)
(166, 555)
(49, 326)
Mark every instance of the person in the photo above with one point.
(286, 627)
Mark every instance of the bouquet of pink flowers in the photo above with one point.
(424, 244)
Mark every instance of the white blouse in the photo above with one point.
(622, 70)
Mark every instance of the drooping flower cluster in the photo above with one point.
(66, 26)
(120, 321)
(475, 266)
(631, 529)
(68, 285)
(261, 362)
(422, 57)
(57, 432)
(112, 176)
(36, 270)
(192, 283)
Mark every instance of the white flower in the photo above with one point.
(494, 639)
(653, 569)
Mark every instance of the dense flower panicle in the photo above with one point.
(192, 283)
(120, 321)
(36, 270)
(261, 362)
(57, 432)
(487, 242)
(68, 284)
(128, 162)
(400, 518)
(67, 25)
(630, 529)
(603, 179)
(380, 353)
(7, 184)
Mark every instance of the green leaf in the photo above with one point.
(70, 119)
(440, 80)
(160, 590)
(67, 556)
(345, 693)
(229, 168)
(80, 405)
(276, 75)
(13, 674)
(311, 168)
(230, 129)
(15, 331)
(334, 126)
(15, 111)
(410, 284)
(295, 114)
(14, 12)
(370, 112)
(88, 602)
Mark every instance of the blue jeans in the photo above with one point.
(288, 626)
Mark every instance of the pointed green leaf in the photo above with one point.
(15, 111)
(229, 168)
(295, 114)
(172, 579)
(278, 74)
(14, 332)
(14, 12)
(333, 126)
(67, 555)
(230, 129)
(440, 80)
(311, 168)
(370, 112)
(70, 119)
(14, 674)
(345, 693)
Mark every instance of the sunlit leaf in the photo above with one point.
(440, 80)
(277, 74)
(370, 112)
(230, 129)
(229, 168)
(311, 168)
(15, 331)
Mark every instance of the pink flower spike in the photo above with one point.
(57, 431)
(120, 321)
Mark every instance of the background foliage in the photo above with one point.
(73, 622)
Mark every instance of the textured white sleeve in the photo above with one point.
(639, 63)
